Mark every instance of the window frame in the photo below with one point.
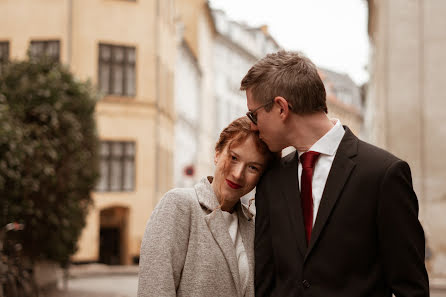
(46, 44)
(122, 159)
(112, 63)
(4, 58)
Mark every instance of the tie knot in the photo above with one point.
(308, 159)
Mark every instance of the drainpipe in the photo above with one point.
(157, 102)
(424, 201)
(70, 32)
(69, 53)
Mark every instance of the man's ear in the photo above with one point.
(283, 105)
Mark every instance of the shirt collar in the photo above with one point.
(329, 143)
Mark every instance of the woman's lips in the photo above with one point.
(233, 185)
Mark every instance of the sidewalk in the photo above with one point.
(95, 269)
(85, 272)
(71, 293)
(438, 283)
(79, 272)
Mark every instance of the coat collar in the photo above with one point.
(205, 194)
(218, 228)
(208, 199)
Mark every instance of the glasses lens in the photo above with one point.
(252, 117)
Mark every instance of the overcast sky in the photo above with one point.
(332, 33)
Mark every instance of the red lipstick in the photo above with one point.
(233, 185)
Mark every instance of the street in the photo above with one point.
(123, 286)
(438, 293)
(99, 286)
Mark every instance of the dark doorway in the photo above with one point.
(109, 247)
(113, 236)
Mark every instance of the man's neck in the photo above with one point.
(306, 130)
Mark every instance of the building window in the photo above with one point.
(48, 48)
(4, 53)
(117, 70)
(117, 167)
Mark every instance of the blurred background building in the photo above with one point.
(194, 92)
(344, 101)
(406, 103)
(169, 73)
(127, 48)
(237, 47)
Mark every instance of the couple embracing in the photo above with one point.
(336, 218)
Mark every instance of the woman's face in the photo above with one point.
(238, 169)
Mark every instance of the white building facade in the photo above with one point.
(237, 47)
(187, 103)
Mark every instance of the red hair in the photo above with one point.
(237, 132)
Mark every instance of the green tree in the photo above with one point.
(48, 155)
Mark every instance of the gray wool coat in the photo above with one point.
(187, 250)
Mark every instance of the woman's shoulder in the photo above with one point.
(181, 199)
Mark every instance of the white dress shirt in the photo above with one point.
(242, 258)
(327, 145)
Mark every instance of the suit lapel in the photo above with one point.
(291, 193)
(340, 171)
(217, 226)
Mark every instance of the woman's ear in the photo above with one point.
(217, 154)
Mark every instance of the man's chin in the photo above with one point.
(273, 148)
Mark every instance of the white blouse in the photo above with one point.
(243, 266)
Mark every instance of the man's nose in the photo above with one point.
(254, 127)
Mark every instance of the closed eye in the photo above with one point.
(255, 168)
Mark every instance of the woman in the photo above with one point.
(199, 241)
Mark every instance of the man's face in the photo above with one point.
(268, 124)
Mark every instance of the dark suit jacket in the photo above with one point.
(366, 241)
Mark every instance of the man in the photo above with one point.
(338, 217)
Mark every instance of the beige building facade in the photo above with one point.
(127, 49)
(199, 34)
(406, 103)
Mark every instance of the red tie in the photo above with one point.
(308, 161)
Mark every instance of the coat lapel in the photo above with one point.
(217, 226)
(247, 233)
(291, 193)
(340, 171)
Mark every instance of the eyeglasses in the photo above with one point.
(252, 114)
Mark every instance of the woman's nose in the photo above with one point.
(238, 171)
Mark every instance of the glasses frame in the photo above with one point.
(252, 114)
